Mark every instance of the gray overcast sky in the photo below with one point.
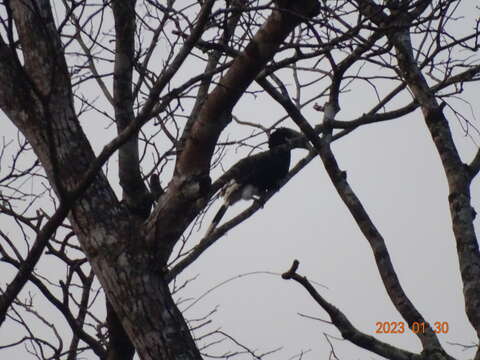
(396, 172)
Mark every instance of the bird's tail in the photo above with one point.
(230, 194)
(218, 217)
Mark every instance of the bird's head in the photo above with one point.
(283, 136)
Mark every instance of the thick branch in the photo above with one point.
(135, 192)
(188, 190)
(212, 63)
(216, 111)
(40, 49)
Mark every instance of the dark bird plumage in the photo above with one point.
(258, 174)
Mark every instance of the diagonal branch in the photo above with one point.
(29, 263)
(458, 175)
(475, 165)
(213, 61)
(169, 72)
(88, 53)
(215, 114)
(72, 321)
(211, 238)
(384, 264)
(341, 322)
(191, 177)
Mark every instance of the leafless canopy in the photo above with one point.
(111, 96)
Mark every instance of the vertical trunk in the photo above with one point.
(458, 177)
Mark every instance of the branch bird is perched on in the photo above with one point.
(255, 175)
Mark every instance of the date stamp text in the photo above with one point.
(399, 327)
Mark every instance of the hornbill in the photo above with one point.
(255, 175)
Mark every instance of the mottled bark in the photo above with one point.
(126, 255)
(106, 229)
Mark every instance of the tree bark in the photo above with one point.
(126, 255)
(107, 231)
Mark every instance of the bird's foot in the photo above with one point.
(260, 200)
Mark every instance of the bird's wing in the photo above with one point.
(250, 168)
(242, 173)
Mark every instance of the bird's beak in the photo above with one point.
(298, 141)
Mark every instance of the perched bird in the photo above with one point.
(255, 175)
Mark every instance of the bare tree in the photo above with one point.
(168, 76)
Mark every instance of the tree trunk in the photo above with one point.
(127, 256)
